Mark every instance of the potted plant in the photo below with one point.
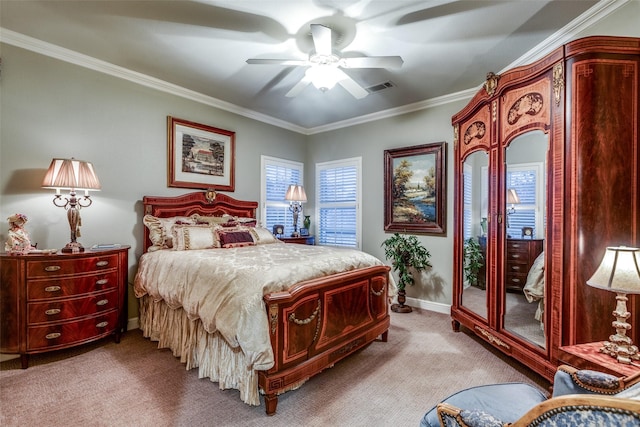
(473, 261)
(406, 254)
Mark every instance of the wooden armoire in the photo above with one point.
(563, 131)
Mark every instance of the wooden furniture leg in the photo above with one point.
(271, 402)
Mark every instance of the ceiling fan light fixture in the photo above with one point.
(323, 77)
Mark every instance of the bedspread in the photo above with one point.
(224, 287)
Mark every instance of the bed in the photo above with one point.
(534, 287)
(259, 317)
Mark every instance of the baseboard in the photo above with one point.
(133, 323)
(438, 307)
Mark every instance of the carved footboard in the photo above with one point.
(318, 322)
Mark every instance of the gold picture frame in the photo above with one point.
(200, 156)
(415, 190)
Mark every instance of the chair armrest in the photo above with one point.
(598, 410)
(452, 416)
(569, 380)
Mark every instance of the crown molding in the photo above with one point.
(584, 21)
(409, 108)
(44, 48)
(594, 14)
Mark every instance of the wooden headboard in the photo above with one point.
(208, 203)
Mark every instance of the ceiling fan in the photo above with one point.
(325, 67)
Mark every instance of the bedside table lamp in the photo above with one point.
(72, 175)
(619, 272)
(296, 197)
(512, 199)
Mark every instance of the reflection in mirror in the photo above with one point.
(474, 229)
(525, 230)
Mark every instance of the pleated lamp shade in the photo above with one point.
(71, 174)
(619, 271)
(296, 193)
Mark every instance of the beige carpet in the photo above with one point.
(135, 384)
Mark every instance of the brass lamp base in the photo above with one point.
(72, 247)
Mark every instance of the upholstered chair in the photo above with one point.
(580, 397)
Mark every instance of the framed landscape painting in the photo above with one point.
(415, 189)
(200, 156)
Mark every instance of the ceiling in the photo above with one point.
(200, 48)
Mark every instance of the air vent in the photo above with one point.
(379, 87)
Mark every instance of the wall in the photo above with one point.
(54, 109)
(369, 141)
(434, 289)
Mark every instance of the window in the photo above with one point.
(338, 189)
(277, 175)
(527, 180)
(467, 191)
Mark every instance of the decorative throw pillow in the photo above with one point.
(263, 236)
(191, 237)
(234, 238)
(240, 222)
(160, 232)
(201, 219)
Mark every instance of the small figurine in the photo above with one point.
(18, 240)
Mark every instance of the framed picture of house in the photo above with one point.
(200, 156)
(415, 189)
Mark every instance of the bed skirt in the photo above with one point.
(197, 348)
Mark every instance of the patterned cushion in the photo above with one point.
(191, 237)
(263, 236)
(588, 416)
(160, 230)
(235, 237)
(506, 402)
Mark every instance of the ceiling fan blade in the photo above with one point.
(351, 85)
(298, 87)
(277, 61)
(373, 62)
(321, 39)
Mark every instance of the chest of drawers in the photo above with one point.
(51, 302)
(521, 253)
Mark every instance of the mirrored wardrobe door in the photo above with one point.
(474, 230)
(525, 198)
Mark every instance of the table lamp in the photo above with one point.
(619, 272)
(72, 175)
(295, 196)
(512, 199)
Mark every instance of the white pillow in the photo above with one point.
(160, 232)
(190, 237)
(263, 236)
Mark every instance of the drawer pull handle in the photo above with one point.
(53, 335)
(55, 288)
(102, 263)
(102, 325)
(515, 280)
(102, 281)
(51, 268)
(515, 256)
(52, 311)
(103, 302)
(515, 245)
(515, 267)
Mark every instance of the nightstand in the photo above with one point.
(51, 302)
(302, 240)
(588, 356)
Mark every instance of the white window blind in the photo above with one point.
(467, 192)
(527, 180)
(277, 175)
(338, 217)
